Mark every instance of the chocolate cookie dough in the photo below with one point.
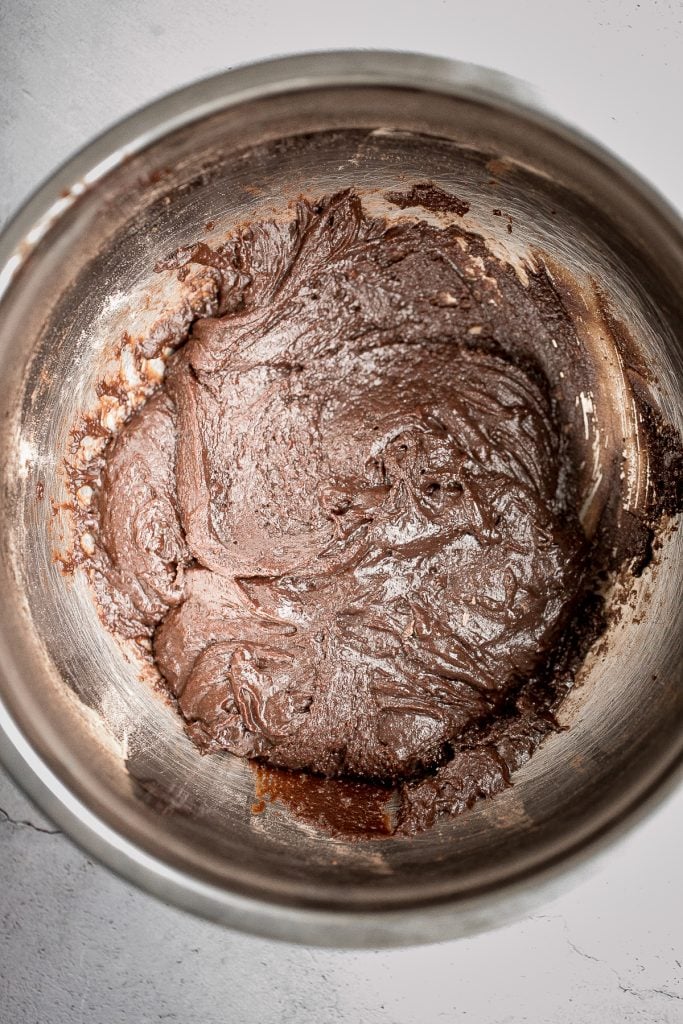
(347, 520)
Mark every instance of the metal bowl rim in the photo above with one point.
(131, 135)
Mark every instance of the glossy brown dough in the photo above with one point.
(347, 518)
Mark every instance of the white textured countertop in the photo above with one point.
(76, 943)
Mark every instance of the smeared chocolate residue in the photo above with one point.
(347, 808)
(430, 197)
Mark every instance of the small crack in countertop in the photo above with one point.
(5, 819)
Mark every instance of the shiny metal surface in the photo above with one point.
(81, 729)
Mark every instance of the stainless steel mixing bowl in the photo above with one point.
(81, 729)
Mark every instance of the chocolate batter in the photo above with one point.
(347, 520)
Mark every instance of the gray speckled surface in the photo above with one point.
(76, 943)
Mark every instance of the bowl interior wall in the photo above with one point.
(79, 697)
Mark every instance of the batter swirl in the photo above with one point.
(347, 519)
